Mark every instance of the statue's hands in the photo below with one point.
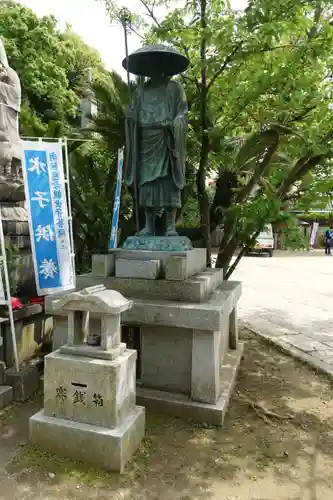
(167, 124)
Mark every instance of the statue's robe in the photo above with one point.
(156, 131)
(10, 103)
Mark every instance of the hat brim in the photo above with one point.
(155, 63)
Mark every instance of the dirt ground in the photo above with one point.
(276, 444)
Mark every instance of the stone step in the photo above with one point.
(6, 395)
(195, 289)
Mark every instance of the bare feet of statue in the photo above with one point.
(145, 232)
(171, 232)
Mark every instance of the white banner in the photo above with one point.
(45, 192)
(314, 231)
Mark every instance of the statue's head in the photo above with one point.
(3, 55)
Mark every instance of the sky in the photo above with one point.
(89, 20)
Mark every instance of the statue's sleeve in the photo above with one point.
(131, 138)
(180, 126)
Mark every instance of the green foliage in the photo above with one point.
(322, 218)
(291, 236)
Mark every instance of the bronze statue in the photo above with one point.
(156, 131)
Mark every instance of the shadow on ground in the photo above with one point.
(277, 442)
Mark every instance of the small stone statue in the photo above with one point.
(156, 132)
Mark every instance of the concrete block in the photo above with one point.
(107, 448)
(233, 329)
(181, 268)
(87, 390)
(140, 269)
(205, 383)
(24, 383)
(195, 289)
(102, 265)
(180, 405)
(166, 358)
(6, 396)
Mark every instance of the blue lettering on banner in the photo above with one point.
(116, 205)
(48, 216)
(42, 222)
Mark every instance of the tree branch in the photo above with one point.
(261, 168)
(150, 11)
(227, 60)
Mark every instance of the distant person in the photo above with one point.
(328, 240)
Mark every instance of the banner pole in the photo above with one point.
(69, 205)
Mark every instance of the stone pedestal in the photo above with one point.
(90, 391)
(186, 318)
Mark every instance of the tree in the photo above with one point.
(258, 88)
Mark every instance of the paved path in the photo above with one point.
(289, 300)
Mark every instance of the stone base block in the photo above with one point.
(100, 446)
(24, 383)
(140, 269)
(6, 396)
(87, 390)
(102, 265)
(182, 406)
(180, 268)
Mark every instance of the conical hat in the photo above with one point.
(156, 59)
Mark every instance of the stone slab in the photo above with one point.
(140, 269)
(102, 265)
(208, 315)
(181, 406)
(180, 268)
(195, 289)
(93, 352)
(24, 383)
(110, 449)
(6, 395)
(164, 243)
(87, 390)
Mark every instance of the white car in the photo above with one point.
(265, 241)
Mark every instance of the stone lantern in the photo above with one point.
(89, 391)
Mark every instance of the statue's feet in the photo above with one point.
(171, 232)
(145, 232)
